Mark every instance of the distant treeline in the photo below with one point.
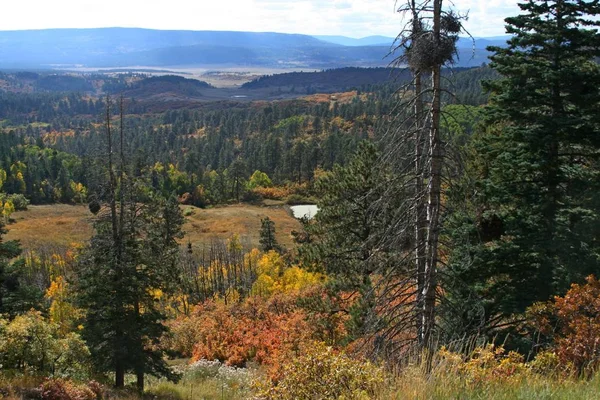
(340, 79)
(343, 79)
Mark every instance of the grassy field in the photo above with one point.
(61, 224)
(241, 219)
(50, 226)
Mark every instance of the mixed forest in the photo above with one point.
(454, 254)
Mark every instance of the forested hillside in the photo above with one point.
(451, 249)
(49, 136)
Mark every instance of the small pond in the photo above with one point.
(308, 210)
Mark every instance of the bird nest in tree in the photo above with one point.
(450, 23)
(426, 52)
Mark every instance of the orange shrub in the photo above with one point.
(265, 330)
(325, 315)
(255, 330)
(573, 322)
(184, 333)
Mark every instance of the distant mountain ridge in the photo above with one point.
(480, 42)
(366, 41)
(122, 47)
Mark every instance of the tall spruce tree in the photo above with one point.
(129, 260)
(348, 229)
(122, 323)
(534, 225)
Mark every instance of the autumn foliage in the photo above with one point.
(30, 343)
(275, 277)
(485, 364)
(258, 329)
(324, 373)
(252, 332)
(273, 193)
(573, 323)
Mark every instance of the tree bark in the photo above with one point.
(420, 223)
(420, 215)
(119, 374)
(433, 195)
(140, 380)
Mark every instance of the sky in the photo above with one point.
(353, 18)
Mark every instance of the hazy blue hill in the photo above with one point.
(166, 85)
(480, 42)
(264, 56)
(92, 46)
(121, 47)
(366, 41)
(126, 40)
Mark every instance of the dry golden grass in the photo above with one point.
(61, 225)
(243, 219)
(50, 225)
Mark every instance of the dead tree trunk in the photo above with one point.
(433, 192)
(420, 222)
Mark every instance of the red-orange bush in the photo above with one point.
(257, 330)
(573, 322)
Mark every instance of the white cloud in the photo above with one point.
(356, 18)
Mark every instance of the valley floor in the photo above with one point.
(61, 225)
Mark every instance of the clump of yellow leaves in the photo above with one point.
(62, 312)
(275, 277)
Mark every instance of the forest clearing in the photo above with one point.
(61, 225)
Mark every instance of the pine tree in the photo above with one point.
(130, 258)
(237, 176)
(537, 205)
(15, 295)
(346, 238)
(268, 241)
(122, 323)
(347, 232)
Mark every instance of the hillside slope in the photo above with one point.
(121, 47)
